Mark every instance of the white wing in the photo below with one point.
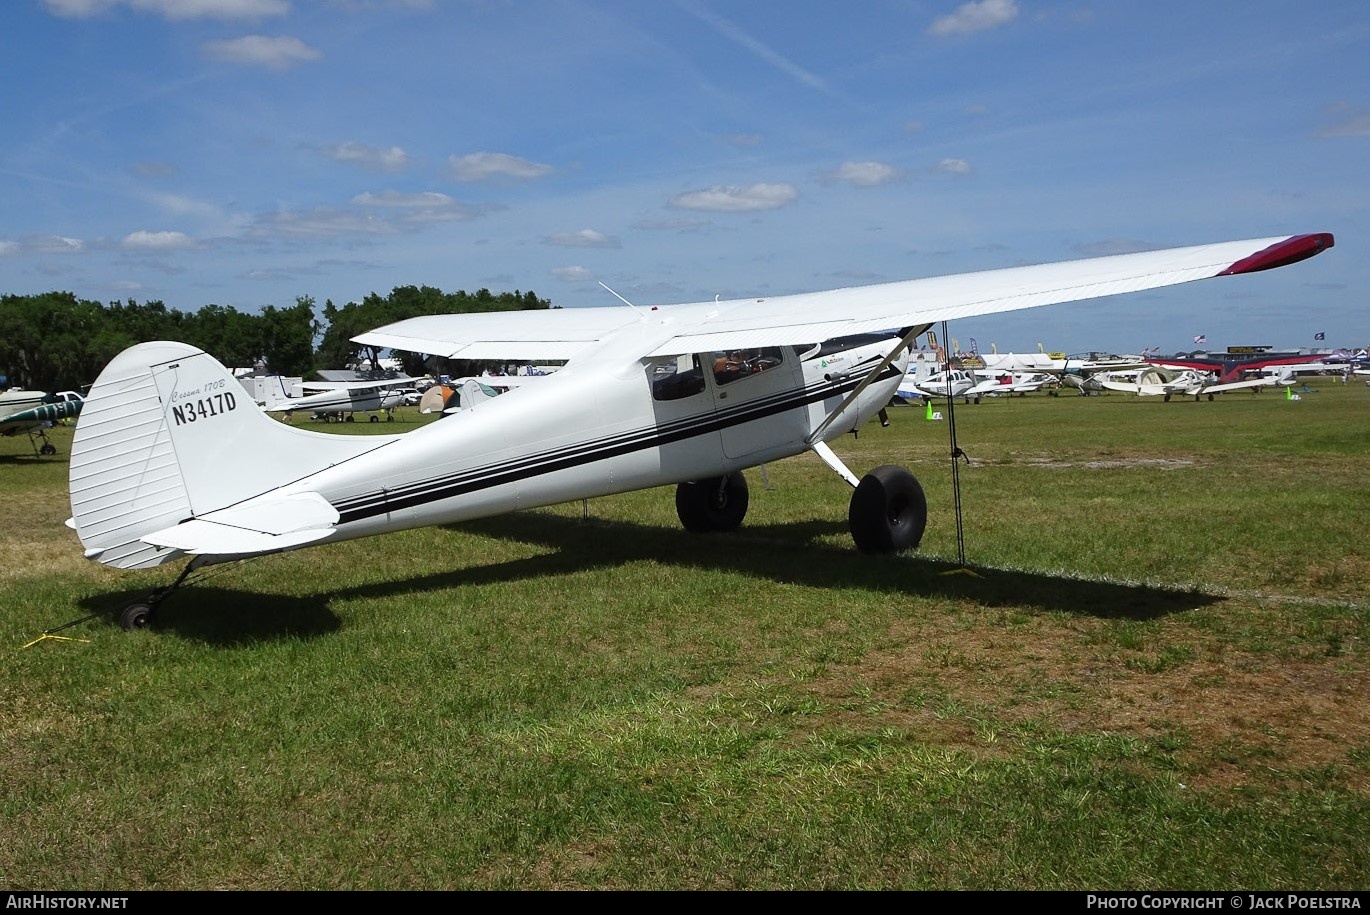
(356, 385)
(813, 317)
(551, 334)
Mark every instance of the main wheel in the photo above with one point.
(375, 418)
(136, 616)
(888, 512)
(48, 448)
(715, 504)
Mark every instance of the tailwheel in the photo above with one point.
(888, 512)
(714, 504)
(139, 615)
(143, 613)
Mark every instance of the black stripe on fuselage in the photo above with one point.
(485, 477)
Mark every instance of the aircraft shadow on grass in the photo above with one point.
(790, 553)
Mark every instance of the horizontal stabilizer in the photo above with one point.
(262, 526)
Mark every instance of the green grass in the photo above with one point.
(1150, 673)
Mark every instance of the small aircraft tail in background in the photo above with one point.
(33, 411)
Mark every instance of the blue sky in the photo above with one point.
(248, 152)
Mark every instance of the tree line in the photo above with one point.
(58, 342)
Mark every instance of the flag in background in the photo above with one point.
(1201, 338)
(1319, 336)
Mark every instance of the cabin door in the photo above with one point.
(757, 398)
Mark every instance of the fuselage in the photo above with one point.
(605, 425)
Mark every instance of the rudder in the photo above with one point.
(168, 435)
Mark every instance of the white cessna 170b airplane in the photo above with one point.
(684, 395)
(329, 400)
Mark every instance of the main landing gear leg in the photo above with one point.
(143, 613)
(47, 447)
(888, 511)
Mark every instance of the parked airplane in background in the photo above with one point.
(1230, 367)
(1083, 371)
(1168, 382)
(1078, 371)
(32, 411)
(940, 383)
(1001, 383)
(683, 395)
(466, 392)
(339, 400)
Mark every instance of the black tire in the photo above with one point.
(375, 418)
(888, 512)
(137, 616)
(48, 448)
(714, 505)
(351, 418)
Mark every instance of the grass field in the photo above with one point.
(1150, 673)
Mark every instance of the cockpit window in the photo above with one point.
(732, 365)
(675, 377)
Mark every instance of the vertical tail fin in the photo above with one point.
(168, 435)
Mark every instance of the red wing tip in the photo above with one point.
(1291, 250)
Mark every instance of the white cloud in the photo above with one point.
(735, 199)
(584, 238)
(866, 174)
(573, 274)
(1356, 124)
(8, 247)
(184, 206)
(953, 167)
(322, 222)
(975, 17)
(55, 244)
(157, 241)
(173, 9)
(154, 169)
(393, 159)
(681, 224)
(276, 53)
(427, 207)
(426, 200)
(482, 166)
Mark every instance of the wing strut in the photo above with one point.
(905, 342)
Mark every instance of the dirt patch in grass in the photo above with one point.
(1222, 716)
